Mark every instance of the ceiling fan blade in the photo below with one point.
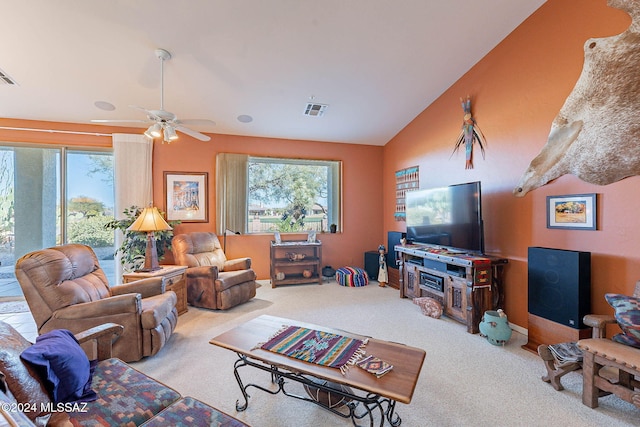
(118, 121)
(196, 122)
(139, 108)
(149, 113)
(192, 133)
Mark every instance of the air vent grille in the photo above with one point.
(5, 79)
(315, 110)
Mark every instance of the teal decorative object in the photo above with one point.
(495, 327)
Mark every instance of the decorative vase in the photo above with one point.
(495, 327)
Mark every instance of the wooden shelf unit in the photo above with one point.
(467, 286)
(293, 270)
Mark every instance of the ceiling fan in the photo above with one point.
(163, 122)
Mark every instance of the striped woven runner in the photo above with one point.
(321, 348)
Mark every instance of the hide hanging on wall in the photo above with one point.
(595, 135)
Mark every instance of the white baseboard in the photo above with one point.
(519, 329)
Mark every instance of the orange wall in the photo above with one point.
(362, 181)
(517, 90)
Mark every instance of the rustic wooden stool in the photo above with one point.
(555, 370)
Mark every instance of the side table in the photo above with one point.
(174, 280)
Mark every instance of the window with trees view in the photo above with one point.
(52, 196)
(263, 194)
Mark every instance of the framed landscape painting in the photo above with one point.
(575, 211)
(186, 196)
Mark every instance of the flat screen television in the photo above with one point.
(448, 217)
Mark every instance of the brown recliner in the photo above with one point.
(66, 289)
(212, 280)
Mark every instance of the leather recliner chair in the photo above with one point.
(66, 289)
(213, 281)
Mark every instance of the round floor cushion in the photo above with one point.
(328, 398)
(352, 276)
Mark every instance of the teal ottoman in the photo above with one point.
(352, 276)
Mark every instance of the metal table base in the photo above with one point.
(358, 407)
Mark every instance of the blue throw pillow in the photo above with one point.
(62, 365)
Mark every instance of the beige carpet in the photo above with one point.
(465, 381)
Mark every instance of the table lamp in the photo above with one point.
(149, 221)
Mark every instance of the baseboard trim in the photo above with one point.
(519, 329)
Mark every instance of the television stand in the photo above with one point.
(466, 285)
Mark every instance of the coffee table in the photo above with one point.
(371, 396)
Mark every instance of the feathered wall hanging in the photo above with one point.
(469, 134)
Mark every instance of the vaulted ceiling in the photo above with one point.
(376, 64)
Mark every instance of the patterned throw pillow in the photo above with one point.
(627, 313)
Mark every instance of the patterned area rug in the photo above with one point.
(20, 306)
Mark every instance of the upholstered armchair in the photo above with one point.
(213, 281)
(66, 289)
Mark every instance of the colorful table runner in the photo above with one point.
(321, 348)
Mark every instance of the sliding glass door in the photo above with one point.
(51, 196)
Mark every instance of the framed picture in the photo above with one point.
(574, 211)
(186, 196)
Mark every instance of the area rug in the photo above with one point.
(20, 306)
(321, 348)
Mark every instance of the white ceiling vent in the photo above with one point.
(315, 110)
(6, 80)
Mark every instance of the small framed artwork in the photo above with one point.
(574, 211)
(311, 237)
(277, 237)
(186, 196)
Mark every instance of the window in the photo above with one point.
(263, 194)
(35, 215)
(90, 202)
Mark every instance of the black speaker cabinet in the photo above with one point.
(393, 239)
(560, 285)
(372, 264)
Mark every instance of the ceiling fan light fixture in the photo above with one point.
(154, 131)
(170, 134)
(164, 123)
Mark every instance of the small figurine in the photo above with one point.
(382, 271)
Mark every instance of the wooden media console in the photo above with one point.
(466, 285)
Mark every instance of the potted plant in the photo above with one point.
(134, 244)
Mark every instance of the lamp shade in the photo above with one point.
(170, 134)
(149, 220)
(154, 131)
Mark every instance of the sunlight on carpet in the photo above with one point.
(14, 307)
